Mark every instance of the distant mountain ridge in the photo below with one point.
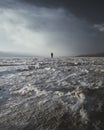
(92, 55)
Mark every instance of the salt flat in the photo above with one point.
(64, 93)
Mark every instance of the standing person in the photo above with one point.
(51, 55)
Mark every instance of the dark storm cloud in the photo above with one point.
(91, 10)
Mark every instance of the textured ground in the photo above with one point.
(52, 94)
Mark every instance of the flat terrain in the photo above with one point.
(65, 93)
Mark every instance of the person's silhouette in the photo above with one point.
(51, 55)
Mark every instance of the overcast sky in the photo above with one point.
(64, 27)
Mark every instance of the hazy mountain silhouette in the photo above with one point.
(92, 55)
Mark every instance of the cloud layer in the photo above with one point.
(31, 29)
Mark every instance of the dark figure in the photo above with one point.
(51, 55)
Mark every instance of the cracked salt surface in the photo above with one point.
(36, 93)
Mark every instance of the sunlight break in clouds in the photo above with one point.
(16, 35)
